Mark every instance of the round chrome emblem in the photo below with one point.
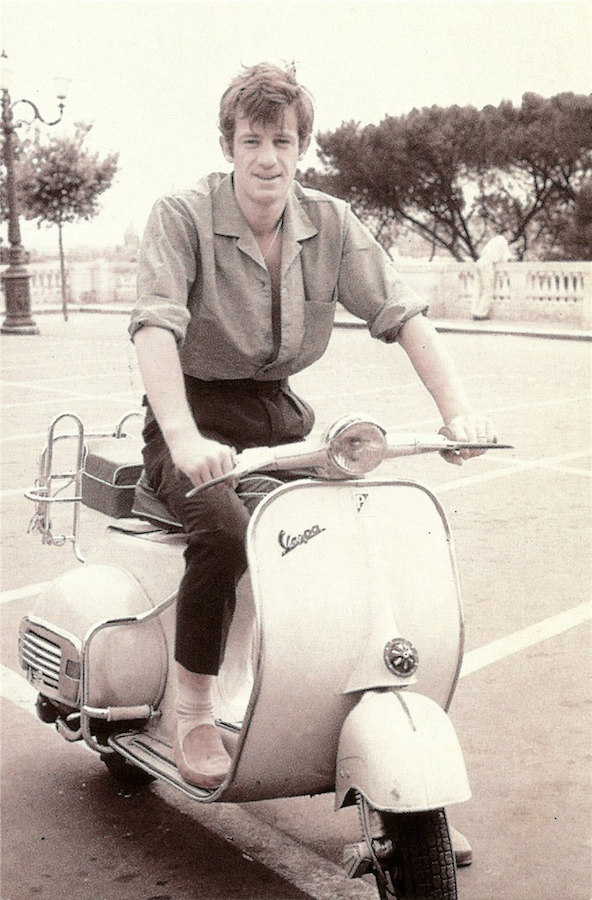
(401, 657)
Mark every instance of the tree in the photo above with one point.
(60, 181)
(542, 158)
(576, 237)
(457, 176)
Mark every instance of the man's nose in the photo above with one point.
(267, 155)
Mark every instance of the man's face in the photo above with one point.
(265, 158)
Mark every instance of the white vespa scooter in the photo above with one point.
(342, 656)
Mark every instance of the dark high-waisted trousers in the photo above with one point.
(243, 413)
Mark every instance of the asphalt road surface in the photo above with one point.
(522, 529)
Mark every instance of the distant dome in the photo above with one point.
(131, 238)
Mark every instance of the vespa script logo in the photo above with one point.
(289, 542)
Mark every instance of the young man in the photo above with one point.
(237, 285)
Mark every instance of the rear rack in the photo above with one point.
(52, 487)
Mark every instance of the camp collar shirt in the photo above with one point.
(201, 275)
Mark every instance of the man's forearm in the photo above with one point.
(158, 358)
(435, 367)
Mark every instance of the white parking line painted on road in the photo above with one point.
(18, 366)
(526, 637)
(106, 430)
(555, 401)
(8, 438)
(515, 407)
(38, 386)
(115, 398)
(566, 470)
(36, 403)
(133, 392)
(436, 422)
(13, 492)
(16, 689)
(35, 384)
(29, 590)
(512, 469)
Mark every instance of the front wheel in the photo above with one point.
(411, 853)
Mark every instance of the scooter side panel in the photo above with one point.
(124, 579)
(327, 562)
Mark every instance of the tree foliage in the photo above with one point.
(59, 182)
(457, 176)
(575, 240)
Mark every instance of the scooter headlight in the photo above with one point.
(356, 446)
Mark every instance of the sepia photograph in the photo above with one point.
(296, 528)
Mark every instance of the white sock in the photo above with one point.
(194, 705)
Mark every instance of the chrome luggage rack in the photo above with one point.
(50, 486)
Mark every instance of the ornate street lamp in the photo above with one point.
(15, 278)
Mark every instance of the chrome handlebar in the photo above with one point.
(312, 455)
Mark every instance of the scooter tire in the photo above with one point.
(424, 865)
(125, 772)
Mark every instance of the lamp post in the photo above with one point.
(15, 277)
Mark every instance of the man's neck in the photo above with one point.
(262, 220)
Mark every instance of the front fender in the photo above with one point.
(399, 749)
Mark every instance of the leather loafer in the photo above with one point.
(463, 853)
(201, 757)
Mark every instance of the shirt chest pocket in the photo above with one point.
(319, 316)
(321, 291)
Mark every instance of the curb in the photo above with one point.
(516, 331)
(491, 327)
(342, 320)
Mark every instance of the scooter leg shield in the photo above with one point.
(399, 749)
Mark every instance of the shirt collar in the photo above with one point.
(227, 216)
(228, 220)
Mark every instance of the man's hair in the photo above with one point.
(261, 94)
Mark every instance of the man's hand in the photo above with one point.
(474, 428)
(200, 458)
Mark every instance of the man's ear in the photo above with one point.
(304, 147)
(226, 150)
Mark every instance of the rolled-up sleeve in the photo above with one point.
(370, 286)
(167, 269)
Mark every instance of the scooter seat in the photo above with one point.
(147, 505)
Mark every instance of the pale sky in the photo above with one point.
(149, 73)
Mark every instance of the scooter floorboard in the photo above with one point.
(156, 757)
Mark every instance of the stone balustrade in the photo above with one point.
(88, 283)
(558, 292)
